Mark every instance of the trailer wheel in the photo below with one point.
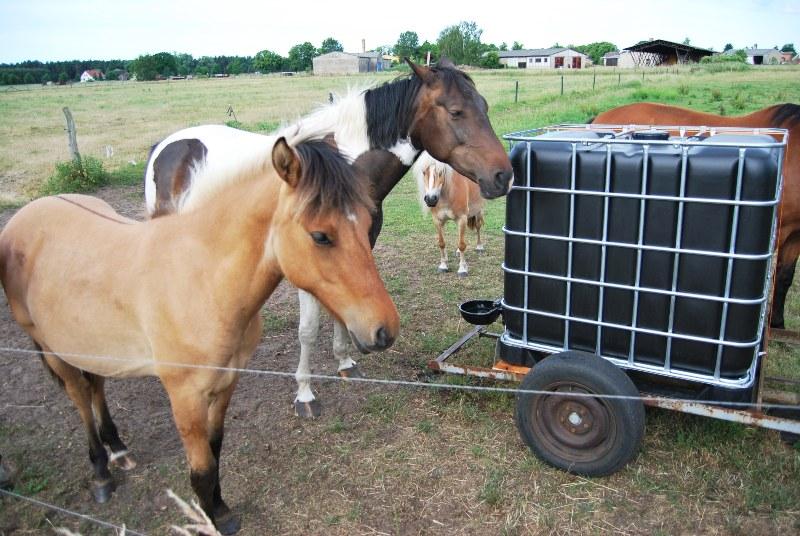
(579, 434)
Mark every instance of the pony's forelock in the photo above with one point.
(328, 182)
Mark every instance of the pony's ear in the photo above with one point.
(286, 162)
(422, 72)
(330, 139)
(444, 61)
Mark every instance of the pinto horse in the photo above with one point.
(779, 116)
(383, 130)
(179, 297)
(449, 195)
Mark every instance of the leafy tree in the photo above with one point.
(235, 66)
(596, 50)
(330, 45)
(301, 56)
(686, 41)
(267, 61)
(461, 43)
(503, 46)
(148, 67)
(728, 47)
(407, 45)
(426, 47)
(201, 70)
(517, 46)
(28, 78)
(491, 60)
(62, 78)
(788, 47)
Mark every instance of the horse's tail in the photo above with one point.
(475, 222)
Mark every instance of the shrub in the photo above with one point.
(82, 175)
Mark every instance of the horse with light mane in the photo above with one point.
(779, 116)
(382, 129)
(179, 297)
(448, 195)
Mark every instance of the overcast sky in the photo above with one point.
(107, 29)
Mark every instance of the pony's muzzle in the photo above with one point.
(381, 340)
(431, 200)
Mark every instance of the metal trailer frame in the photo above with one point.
(688, 137)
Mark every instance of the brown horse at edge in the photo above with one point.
(779, 116)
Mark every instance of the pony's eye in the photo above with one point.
(321, 238)
(455, 114)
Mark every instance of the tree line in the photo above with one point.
(460, 42)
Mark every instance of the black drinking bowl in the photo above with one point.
(480, 312)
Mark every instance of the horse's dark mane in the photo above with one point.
(328, 182)
(786, 115)
(398, 97)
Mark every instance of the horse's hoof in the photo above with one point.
(228, 524)
(442, 270)
(351, 372)
(480, 250)
(101, 491)
(307, 410)
(123, 460)
(463, 274)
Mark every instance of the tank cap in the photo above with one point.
(651, 134)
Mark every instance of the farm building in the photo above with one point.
(544, 58)
(91, 75)
(657, 52)
(348, 63)
(762, 56)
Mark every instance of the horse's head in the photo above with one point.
(319, 236)
(433, 179)
(451, 123)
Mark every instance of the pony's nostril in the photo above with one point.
(503, 178)
(382, 339)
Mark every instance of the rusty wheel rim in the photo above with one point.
(574, 428)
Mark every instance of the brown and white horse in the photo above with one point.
(179, 297)
(778, 116)
(382, 129)
(449, 195)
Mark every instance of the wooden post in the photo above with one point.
(516, 90)
(594, 79)
(619, 79)
(562, 84)
(72, 136)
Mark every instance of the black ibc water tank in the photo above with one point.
(538, 251)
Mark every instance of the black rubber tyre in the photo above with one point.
(579, 434)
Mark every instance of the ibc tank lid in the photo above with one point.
(651, 135)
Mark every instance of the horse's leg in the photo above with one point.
(463, 270)
(305, 404)
(226, 522)
(108, 430)
(79, 390)
(440, 235)
(478, 224)
(190, 410)
(348, 368)
(784, 275)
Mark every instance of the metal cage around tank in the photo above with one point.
(651, 247)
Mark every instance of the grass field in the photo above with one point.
(396, 460)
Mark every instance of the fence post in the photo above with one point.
(594, 79)
(72, 136)
(562, 84)
(516, 90)
(619, 79)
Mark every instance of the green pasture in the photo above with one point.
(405, 457)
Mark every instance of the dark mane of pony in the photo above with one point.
(398, 97)
(786, 115)
(329, 182)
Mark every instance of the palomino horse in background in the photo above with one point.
(450, 196)
(383, 130)
(779, 116)
(179, 297)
